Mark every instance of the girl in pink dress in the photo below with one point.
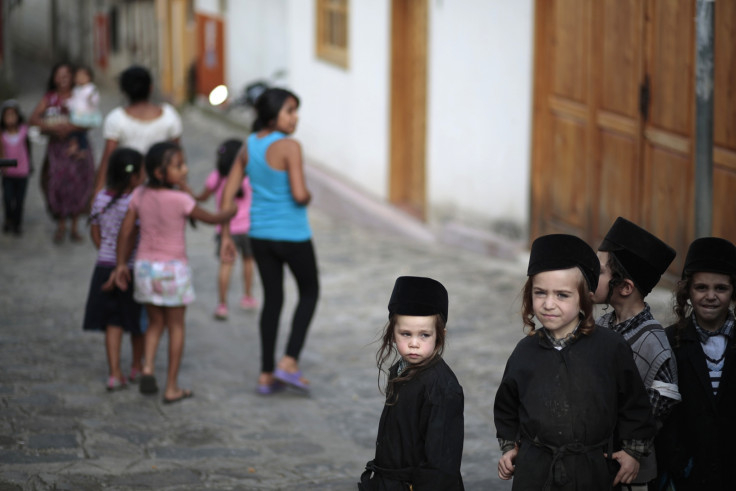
(163, 279)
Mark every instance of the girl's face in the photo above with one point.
(601, 293)
(63, 78)
(82, 77)
(711, 294)
(288, 117)
(556, 300)
(415, 337)
(176, 171)
(10, 118)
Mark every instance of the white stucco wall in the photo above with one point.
(479, 107)
(344, 115)
(479, 96)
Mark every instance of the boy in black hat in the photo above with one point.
(421, 432)
(569, 385)
(632, 261)
(696, 447)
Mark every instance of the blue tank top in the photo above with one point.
(274, 215)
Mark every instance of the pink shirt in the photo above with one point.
(14, 145)
(240, 223)
(163, 217)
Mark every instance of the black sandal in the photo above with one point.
(148, 384)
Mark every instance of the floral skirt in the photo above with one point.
(67, 179)
(163, 283)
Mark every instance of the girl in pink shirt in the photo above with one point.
(14, 146)
(239, 227)
(163, 279)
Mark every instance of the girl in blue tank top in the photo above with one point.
(280, 232)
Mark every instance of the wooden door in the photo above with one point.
(614, 119)
(562, 113)
(668, 194)
(407, 186)
(724, 124)
(617, 80)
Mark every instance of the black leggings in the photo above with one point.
(270, 256)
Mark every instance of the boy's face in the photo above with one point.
(601, 293)
(415, 337)
(556, 300)
(711, 294)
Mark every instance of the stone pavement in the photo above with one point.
(60, 429)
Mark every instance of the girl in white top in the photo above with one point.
(141, 123)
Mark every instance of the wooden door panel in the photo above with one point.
(724, 203)
(617, 76)
(670, 65)
(568, 173)
(561, 170)
(724, 90)
(668, 190)
(619, 180)
(724, 122)
(619, 28)
(569, 49)
(668, 210)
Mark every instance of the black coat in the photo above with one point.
(578, 396)
(703, 426)
(420, 437)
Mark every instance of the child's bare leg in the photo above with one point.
(74, 233)
(137, 345)
(113, 341)
(175, 322)
(152, 337)
(223, 281)
(248, 275)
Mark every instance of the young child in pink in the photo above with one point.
(163, 279)
(14, 145)
(239, 227)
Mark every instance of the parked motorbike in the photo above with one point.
(220, 95)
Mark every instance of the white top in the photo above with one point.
(85, 99)
(138, 134)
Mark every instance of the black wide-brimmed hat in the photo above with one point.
(711, 255)
(562, 251)
(416, 295)
(644, 257)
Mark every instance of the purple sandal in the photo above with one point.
(292, 379)
(272, 388)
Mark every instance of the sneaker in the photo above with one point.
(135, 376)
(115, 384)
(221, 312)
(248, 303)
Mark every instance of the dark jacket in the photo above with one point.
(564, 406)
(697, 444)
(420, 437)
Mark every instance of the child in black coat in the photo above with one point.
(696, 446)
(420, 435)
(569, 386)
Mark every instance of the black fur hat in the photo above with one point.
(712, 255)
(562, 251)
(644, 257)
(415, 295)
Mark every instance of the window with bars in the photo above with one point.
(332, 31)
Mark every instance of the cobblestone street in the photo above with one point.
(60, 429)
